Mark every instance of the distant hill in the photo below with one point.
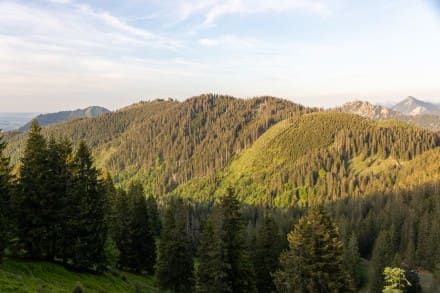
(52, 118)
(412, 106)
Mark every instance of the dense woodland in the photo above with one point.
(287, 201)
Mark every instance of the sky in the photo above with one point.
(68, 54)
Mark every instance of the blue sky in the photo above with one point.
(64, 54)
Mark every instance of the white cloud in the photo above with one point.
(229, 41)
(214, 9)
(59, 1)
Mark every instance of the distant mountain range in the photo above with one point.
(410, 110)
(51, 118)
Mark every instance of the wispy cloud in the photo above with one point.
(214, 9)
(230, 41)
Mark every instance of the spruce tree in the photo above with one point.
(211, 272)
(59, 156)
(314, 261)
(5, 193)
(88, 224)
(240, 276)
(32, 201)
(175, 266)
(142, 244)
(225, 263)
(382, 257)
(353, 260)
(122, 227)
(154, 216)
(267, 251)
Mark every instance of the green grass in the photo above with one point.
(23, 276)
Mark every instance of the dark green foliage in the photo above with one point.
(59, 160)
(88, 227)
(382, 257)
(268, 247)
(211, 272)
(228, 260)
(135, 235)
(353, 259)
(5, 194)
(34, 220)
(154, 216)
(314, 261)
(175, 266)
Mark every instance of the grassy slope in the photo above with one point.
(22, 276)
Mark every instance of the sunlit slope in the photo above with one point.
(325, 156)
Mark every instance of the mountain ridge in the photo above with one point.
(61, 116)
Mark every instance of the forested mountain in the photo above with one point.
(274, 152)
(326, 156)
(223, 181)
(167, 143)
(52, 118)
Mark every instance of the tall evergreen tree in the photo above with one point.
(59, 157)
(314, 261)
(141, 240)
(154, 216)
(382, 257)
(32, 200)
(353, 260)
(267, 251)
(175, 266)
(228, 260)
(240, 276)
(5, 193)
(122, 227)
(88, 226)
(211, 272)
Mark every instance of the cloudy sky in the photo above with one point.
(64, 54)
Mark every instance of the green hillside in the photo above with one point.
(23, 276)
(323, 156)
(167, 143)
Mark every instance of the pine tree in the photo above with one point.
(314, 261)
(353, 260)
(224, 260)
(211, 272)
(122, 227)
(88, 224)
(59, 156)
(154, 217)
(5, 193)
(382, 256)
(32, 201)
(175, 266)
(142, 244)
(267, 251)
